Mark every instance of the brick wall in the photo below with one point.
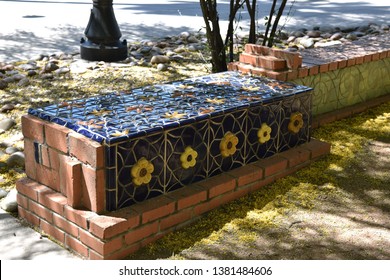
(272, 63)
(63, 204)
(66, 162)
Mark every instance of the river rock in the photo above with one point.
(9, 203)
(351, 36)
(291, 39)
(180, 49)
(8, 67)
(327, 44)
(16, 159)
(62, 70)
(11, 150)
(38, 57)
(136, 54)
(3, 84)
(24, 82)
(7, 108)
(192, 48)
(170, 52)
(192, 39)
(27, 67)
(177, 57)
(6, 124)
(18, 77)
(162, 45)
(184, 35)
(374, 31)
(307, 42)
(385, 27)
(50, 67)
(8, 80)
(3, 193)
(363, 28)
(336, 36)
(326, 35)
(145, 49)
(157, 50)
(358, 33)
(348, 29)
(297, 34)
(156, 59)
(314, 33)
(31, 73)
(47, 76)
(162, 67)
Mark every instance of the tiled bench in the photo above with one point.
(160, 138)
(110, 173)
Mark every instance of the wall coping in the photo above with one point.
(261, 60)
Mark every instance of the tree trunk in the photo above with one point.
(252, 14)
(213, 33)
(276, 23)
(269, 22)
(235, 5)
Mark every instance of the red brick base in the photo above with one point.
(117, 234)
(335, 115)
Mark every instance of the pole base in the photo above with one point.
(100, 52)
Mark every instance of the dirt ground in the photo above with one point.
(354, 224)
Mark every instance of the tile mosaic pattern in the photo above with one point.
(338, 89)
(163, 137)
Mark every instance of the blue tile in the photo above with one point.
(233, 124)
(299, 104)
(268, 115)
(129, 153)
(186, 155)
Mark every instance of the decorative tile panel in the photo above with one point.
(295, 122)
(348, 86)
(263, 126)
(187, 155)
(163, 137)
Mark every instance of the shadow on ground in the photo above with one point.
(22, 45)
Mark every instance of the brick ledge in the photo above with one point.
(287, 66)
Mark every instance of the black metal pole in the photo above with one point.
(102, 34)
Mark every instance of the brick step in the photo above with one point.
(285, 75)
(293, 59)
(267, 62)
